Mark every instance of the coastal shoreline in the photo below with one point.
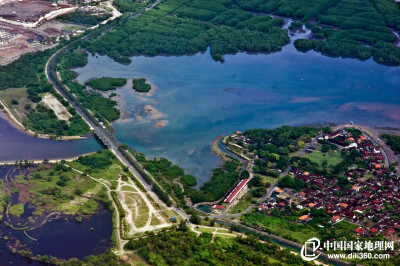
(17, 124)
(56, 160)
(217, 151)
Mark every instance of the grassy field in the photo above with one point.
(224, 236)
(19, 94)
(139, 209)
(269, 179)
(288, 227)
(168, 214)
(72, 27)
(129, 189)
(110, 173)
(367, 176)
(50, 189)
(332, 157)
(154, 220)
(243, 203)
(204, 229)
(283, 227)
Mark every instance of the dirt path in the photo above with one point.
(131, 213)
(115, 13)
(52, 103)
(120, 242)
(215, 232)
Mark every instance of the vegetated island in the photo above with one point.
(140, 85)
(106, 83)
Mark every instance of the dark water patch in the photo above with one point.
(22, 220)
(8, 258)
(65, 238)
(14, 198)
(223, 148)
(204, 208)
(16, 145)
(52, 234)
(62, 237)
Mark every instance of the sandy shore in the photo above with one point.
(17, 124)
(216, 150)
(70, 159)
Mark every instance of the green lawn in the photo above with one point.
(283, 227)
(19, 94)
(47, 194)
(168, 214)
(128, 189)
(142, 209)
(224, 236)
(154, 220)
(204, 229)
(111, 173)
(269, 179)
(243, 204)
(332, 157)
(288, 227)
(72, 27)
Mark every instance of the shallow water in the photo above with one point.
(61, 236)
(200, 99)
(62, 239)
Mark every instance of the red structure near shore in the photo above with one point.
(236, 191)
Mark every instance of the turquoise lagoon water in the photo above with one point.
(199, 99)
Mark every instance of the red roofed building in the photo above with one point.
(218, 207)
(373, 230)
(360, 230)
(304, 219)
(335, 219)
(390, 231)
(236, 191)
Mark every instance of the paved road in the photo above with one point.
(103, 134)
(378, 142)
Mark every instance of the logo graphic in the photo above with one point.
(309, 248)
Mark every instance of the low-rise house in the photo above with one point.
(335, 219)
(360, 230)
(304, 219)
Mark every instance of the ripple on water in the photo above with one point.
(204, 99)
